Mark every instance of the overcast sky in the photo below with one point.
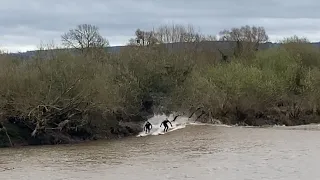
(25, 24)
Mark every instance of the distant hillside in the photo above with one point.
(206, 45)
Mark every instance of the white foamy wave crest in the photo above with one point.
(180, 123)
(308, 127)
(209, 124)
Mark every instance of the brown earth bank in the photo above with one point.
(20, 134)
(17, 132)
(280, 115)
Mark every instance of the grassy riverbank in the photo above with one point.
(62, 98)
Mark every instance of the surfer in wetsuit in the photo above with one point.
(165, 124)
(147, 127)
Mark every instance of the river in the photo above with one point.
(202, 152)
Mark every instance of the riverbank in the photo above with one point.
(287, 116)
(20, 135)
(66, 98)
(15, 134)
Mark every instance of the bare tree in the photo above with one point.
(140, 37)
(177, 33)
(84, 38)
(144, 38)
(209, 38)
(294, 39)
(169, 34)
(151, 38)
(247, 38)
(132, 42)
(245, 33)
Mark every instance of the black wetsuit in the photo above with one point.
(148, 127)
(165, 124)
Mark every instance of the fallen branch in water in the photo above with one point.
(34, 132)
(202, 113)
(44, 116)
(4, 129)
(175, 118)
(62, 124)
(45, 107)
(194, 112)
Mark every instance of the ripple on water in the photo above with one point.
(196, 152)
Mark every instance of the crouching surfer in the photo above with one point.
(165, 124)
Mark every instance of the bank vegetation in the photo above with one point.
(85, 93)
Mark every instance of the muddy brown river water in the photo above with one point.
(195, 152)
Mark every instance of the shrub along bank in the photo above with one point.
(64, 98)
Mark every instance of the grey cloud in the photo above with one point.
(25, 24)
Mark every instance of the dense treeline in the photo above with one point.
(60, 97)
